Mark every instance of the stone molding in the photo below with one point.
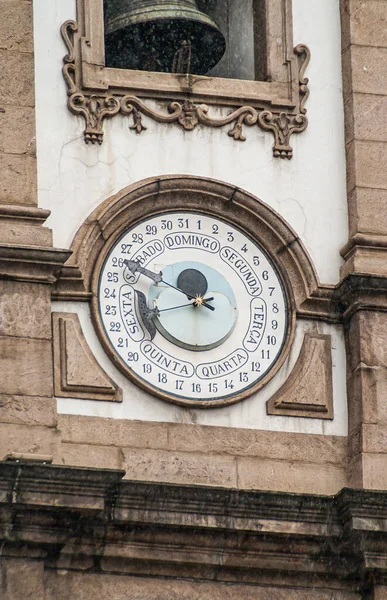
(96, 92)
(359, 292)
(98, 522)
(307, 391)
(77, 374)
(31, 263)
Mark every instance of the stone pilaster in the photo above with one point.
(28, 262)
(364, 273)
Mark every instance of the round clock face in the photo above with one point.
(193, 307)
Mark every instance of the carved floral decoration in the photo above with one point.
(95, 107)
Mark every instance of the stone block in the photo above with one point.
(345, 24)
(179, 467)
(25, 310)
(370, 159)
(16, 32)
(286, 476)
(367, 390)
(351, 166)
(347, 73)
(16, 79)
(12, 232)
(17, 130)
(349, 119)
(368, 210)
(88, 586)
(368, 22)
(374, 471)
(355, 472)
(265, 444)
(79, 455)
(28, 410)
(374, 438)
(113, 432)
(365, 259)
(367, 340)
(380, 592)
(18, 179)
(24, 579)
(26, 367)
(370, 117)
(369, 70)
(28, 439)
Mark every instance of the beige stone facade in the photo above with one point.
(153, 510)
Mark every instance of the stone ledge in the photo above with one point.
(239, 536)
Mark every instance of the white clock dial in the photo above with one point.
(193, 307)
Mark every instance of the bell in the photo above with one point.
(151, 35)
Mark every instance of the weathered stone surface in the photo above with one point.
(367, 390)
(22, 580)
(18, 179)
(264, 444)
(16, 90)
(380, 592)
(215, 440)
(368, 22)
(374, 438)
(286, 476)
(348, 119)
(17, 130)
(116, 587)
(26, 366)
(307, 392)
(364, 259)
(370, 116)
(374, 471)
(25, 310)
(347, 73)
(78, 455)
(77, 374)
(369, 159)
(369, 70)
(351, 167)
(16, 26)
(367, 340)
(179, 467)
(368, 211)
(12, 232)
(28, 439)
(113, 432)
(27, 410)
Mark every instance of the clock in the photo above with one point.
(192, 308)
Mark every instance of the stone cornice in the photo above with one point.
(31, 263)
(238, 535)
(360, 291)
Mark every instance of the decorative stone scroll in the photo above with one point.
(281, 117)
(76, 372)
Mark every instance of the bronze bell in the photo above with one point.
(149, 35)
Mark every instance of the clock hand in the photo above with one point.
(183, 305)
(147, 314)
(134, 267)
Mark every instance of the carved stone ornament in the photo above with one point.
(97, 93)
(308, 390)
(76, 372)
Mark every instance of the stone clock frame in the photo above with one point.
(306, 297)
(96, 92)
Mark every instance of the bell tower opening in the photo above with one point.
(218, 38)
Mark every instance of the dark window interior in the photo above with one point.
(218, 38)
